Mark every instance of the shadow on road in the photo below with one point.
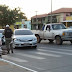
(26, 48)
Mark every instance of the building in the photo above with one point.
(26, 24)
(37, 21)
(59, 15)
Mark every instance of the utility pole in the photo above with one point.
(36, 16)
(36, 20)
(51, 11)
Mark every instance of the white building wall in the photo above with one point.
(60, 17)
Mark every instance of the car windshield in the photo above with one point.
(23, 32)
(58, 26)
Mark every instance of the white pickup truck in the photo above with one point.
(54, 31)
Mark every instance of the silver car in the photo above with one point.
(2, 36)
(24, 38)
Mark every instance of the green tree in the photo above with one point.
(8, 16)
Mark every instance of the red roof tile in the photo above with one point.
(39, 16)
(62, 10)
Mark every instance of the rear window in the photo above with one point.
(23, 32)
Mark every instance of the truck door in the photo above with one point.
(42, 32)
(48, 32)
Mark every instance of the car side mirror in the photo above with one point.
(2, 36)
(13, 39)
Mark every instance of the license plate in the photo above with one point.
(26, 44)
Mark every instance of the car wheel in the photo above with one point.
(38, 38)
(58, 40)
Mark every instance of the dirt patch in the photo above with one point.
(3, 63)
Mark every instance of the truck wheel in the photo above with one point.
(38, 38)
(58, 40)
(50, 40)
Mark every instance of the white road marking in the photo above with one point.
(30, 56)
(18, 65)
(56, 52)
(14, 58)
(47, 54)
(64, 50)
(57, 49)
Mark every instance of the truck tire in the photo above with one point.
(50, 40)
(38, 38)
(58, 40)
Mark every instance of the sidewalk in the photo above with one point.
(7, 66)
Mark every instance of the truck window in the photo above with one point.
(43, 27)
(58, 26)
(48, 26)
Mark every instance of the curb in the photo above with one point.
(12, 63)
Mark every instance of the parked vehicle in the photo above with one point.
(70, 27)
(54, 31)
(24, 38)
(2, 36)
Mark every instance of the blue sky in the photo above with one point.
(41, 6)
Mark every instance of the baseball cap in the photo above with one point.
(7, 25)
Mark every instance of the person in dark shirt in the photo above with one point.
(8, 38)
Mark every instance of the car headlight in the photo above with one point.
(34, 39)
(16, 39)
(63, 33)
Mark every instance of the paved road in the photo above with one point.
(48, 57)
